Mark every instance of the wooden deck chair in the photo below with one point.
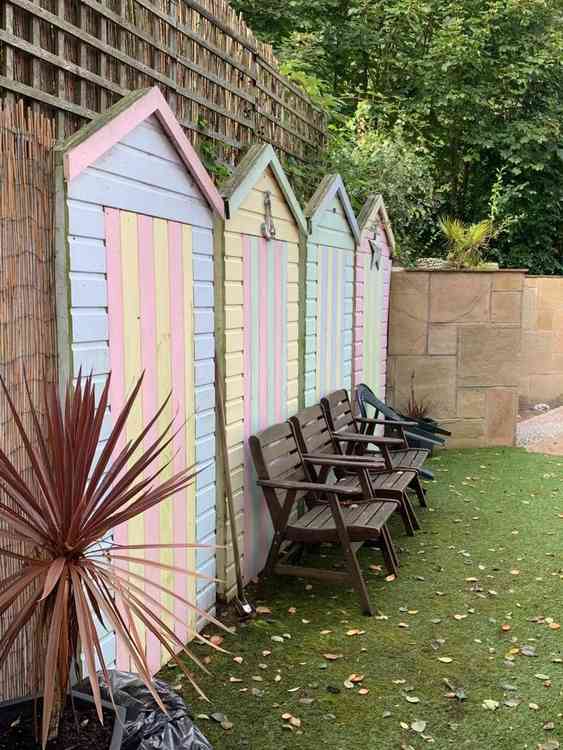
(393, 424)
(315, 442)
(346, 431)
(284, 481)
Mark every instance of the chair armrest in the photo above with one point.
(351, 462)
(387, 422)
(359, 437)
(304, 486)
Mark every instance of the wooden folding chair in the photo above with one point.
(345, 430)
(316, 444)
(285, 481)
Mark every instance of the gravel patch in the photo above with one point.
(545, 428)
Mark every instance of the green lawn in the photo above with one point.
(490, 554)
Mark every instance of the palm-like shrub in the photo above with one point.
(467, 243)
(70, 576)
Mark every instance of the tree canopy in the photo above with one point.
(444, 107)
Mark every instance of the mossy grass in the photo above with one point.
(490, 552)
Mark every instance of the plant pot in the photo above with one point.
(13, 706)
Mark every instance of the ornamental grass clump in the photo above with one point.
(70, 575)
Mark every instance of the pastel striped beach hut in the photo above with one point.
(135, 292)
(373, 281)
(328, 311)
(257, 287)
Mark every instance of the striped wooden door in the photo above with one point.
(375, 308)
(265, 348)
(334, 320)
(149, 277)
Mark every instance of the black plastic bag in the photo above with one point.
(146, 726)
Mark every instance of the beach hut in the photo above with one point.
(373, 280)
(134, 281)
(331, 243)
(257, 328)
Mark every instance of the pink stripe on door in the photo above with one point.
(145, 251)
(176, 266)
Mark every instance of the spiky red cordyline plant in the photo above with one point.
(68, 572)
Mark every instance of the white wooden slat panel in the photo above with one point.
(133, 164)
(150, 138)
(113, 191)
(85, 220)
(87, 255)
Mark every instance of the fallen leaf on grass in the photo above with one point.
(412, 699)
(490, 704)
(418, 726)
(363, 691)
(263, 611)
(333, 657)
(534, 706)
(445, 659)
(355, 678)
(355, 631)
(390, 578)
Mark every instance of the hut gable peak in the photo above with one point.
(374, 211)
(256, 162)
(331, 187)
(96, 138)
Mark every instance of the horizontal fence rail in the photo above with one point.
(75, 58)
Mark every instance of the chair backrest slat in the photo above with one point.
(338, 412)
(311, 431)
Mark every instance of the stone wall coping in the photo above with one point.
(397, 269)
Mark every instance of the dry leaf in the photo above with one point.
(363, 691)
(490, 705)
(333, 657)
(390, 578)
(238, 659)
(418, 726)
(263, 611)
(445, 659)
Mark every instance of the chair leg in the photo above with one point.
(389, 553)
(420, 491)
(414, 520)
(273, 555)
(405, 512)
(357, 578)
(353, 566)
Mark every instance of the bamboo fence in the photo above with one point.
(27, 314)
(74, 58)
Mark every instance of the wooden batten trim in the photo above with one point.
(249, 171)
(331, 186)
(95, 139)
(374, 208)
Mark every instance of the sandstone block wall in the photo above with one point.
(542, 340)
(460, 332)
